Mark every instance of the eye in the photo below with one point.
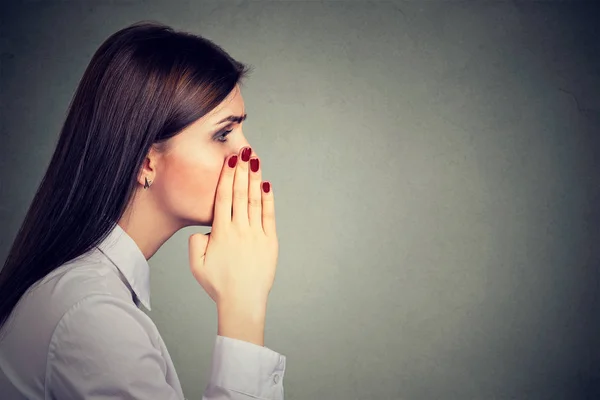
(222, 137)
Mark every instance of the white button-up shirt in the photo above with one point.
(79, 333)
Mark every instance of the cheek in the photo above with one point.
(189, 185)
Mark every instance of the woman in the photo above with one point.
(152, 143)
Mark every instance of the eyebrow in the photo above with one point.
(233, 118)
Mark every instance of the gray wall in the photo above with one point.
(433, 164)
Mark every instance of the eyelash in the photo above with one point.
(223, 135)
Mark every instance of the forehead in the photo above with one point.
(233, 103)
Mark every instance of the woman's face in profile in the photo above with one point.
(187, 174)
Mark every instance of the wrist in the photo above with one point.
(243, 321)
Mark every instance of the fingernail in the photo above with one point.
(233, 161)
(254, 164)
(246, 154)
(266, 187)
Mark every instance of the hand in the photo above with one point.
(236, 262)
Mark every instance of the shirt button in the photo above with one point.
(276, 378)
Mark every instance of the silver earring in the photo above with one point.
(147, 184)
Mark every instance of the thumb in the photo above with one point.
(198, 243)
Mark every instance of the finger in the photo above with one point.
(224, 195)
(240, 188)
(268, 209)
(254, 194)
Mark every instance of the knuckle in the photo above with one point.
(240, 232)
(268, 215)
(254, 202)
(240, 194)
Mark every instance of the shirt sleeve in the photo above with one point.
(100, 350)
(243, 371)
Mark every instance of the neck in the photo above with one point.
(148, 227)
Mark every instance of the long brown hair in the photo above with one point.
(143, 85)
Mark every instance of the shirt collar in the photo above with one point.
(125, 254)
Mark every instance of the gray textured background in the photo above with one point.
(435, 166)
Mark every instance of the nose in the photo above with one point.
(245, 143)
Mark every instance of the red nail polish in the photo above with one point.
(246, 154)
(233, 161)
(254, 164)
(266, 187)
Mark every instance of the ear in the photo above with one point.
(148, 168)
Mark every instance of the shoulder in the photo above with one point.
(48, 301)
(101, 319)
(85, 276)
(94, 304)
